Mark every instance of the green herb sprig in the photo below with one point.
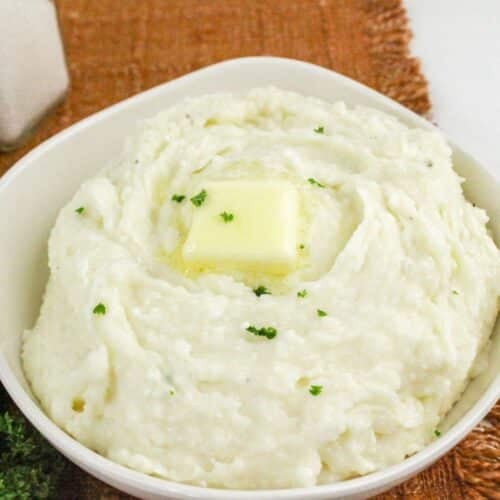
(198, 199)
(314, 182)
(261, 290)
(266, 331)
(99, 309)
(226, 216)
(315, 390)
(29, 466)
(178, 198)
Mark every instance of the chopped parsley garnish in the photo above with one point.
(302, 293)
(437, 433)
(315, 390)
(227, 217)
(261, 290)
(302, 246)
(454, 292)
(80, 210)
(321, 313)
(429, 163)
(266, 331)
(99, 309)
(314, 182)
(178, 198)
(320, 130)
(198, 199)
(171, 392)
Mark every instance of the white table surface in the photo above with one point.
(458, 43)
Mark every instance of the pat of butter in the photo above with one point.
(261, 237)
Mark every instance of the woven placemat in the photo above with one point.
(116, 48)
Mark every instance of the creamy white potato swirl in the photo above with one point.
(356, 353)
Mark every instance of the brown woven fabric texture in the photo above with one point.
(116, 48)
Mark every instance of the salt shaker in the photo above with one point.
(33, 72)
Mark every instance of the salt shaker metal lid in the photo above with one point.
(33, 72)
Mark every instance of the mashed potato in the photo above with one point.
(346, 365)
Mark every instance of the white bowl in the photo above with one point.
(34, 190)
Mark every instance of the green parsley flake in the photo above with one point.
(198, 199)
(454, 292)
(437, 433)
(261, 290)
(179, 198)
(80, 210)
(302, 293)
(99, 309)
(314, 182)
(227, 217)
(321, 313)
(315, 390)
(266, 331)
(320, 130)
(302, 246)
(171, 392)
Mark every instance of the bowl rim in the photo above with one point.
(119, 474)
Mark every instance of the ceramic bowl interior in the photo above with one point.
(32, 193)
